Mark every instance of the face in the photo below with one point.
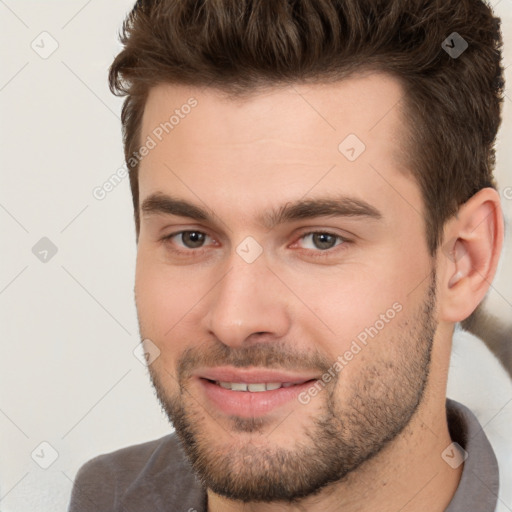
(284, 277)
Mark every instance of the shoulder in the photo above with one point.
(150, 473)
(478, 380)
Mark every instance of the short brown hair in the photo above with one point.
(452, 103)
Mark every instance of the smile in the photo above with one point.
(250, 393)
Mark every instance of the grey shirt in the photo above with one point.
(156, 476)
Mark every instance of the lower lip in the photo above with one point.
(247, 404)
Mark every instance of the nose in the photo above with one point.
(248, 304)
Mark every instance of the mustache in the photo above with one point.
(266, 355)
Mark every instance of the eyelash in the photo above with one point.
(315, 253)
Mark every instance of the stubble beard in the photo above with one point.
(382, 402)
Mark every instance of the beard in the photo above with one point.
(379, 402)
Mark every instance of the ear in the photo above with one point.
(469, 256)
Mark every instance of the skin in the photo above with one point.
(241, 158)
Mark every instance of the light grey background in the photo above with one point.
(68, 375)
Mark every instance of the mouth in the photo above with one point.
(251, 393)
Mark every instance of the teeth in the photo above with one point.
(253, 387)
(256, 387)
(238, 386)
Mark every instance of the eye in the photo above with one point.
(190, 240)
(322, 240)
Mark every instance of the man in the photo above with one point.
(315, 211)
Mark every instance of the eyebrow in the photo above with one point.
(334, 206)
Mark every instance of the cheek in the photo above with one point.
(365, 304)
(353, 299)
(168, 301)
(160, 300)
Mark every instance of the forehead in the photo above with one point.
(366, 104)
(279, 144)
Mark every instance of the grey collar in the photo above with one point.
(479, 483)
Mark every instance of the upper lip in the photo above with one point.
(253, 375)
